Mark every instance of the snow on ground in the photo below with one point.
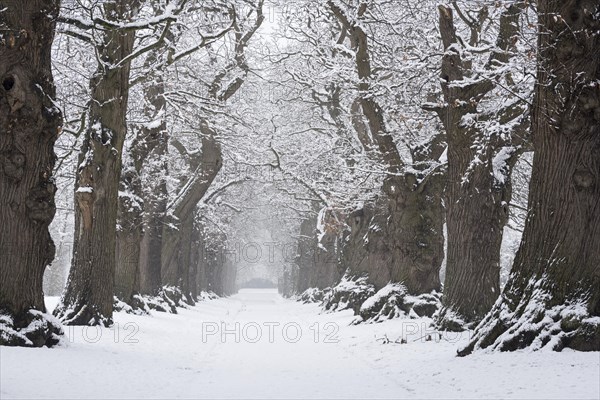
(190, 355)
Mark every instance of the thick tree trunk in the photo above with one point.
(416, 231)
(476, 202)
(476, 212)
(404, 226)
(29, 126)
(88, 298)
(552, 296)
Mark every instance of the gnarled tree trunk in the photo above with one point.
(476, 201)
(552, 296)
(88, 298)
(29, 126)
(404, 226)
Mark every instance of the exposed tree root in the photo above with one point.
(31, 329)
(393, 301)
(313, 295)
(168, 300)
(81, 314)
(447, 319)
(535, 323)
(350, 293)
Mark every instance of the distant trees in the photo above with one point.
(552, 297)
(30, 122)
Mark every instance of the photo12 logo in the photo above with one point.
(126, 333)
(271, 332)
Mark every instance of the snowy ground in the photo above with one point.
(191, 356)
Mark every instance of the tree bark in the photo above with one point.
(404, 226)
(184, 205)
(552, 295)
(194, 278)
(129, 235)
(88, 298)
(476, 202)
(29, 126)
(149, 187)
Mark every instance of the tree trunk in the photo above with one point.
(129, 234)
(306, 254)
(88, 298)
(194, 262)
(179, 271)
(415, 230)
(552, 295)
(475, 215)
(151, 244)
(29, 126)
(404, 226)
(476, 201)
(202, 256)
(149, 153)
(183, 206)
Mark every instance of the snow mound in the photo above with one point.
(313, 295)
(33, 329)
(350, 293)
(393, 301)
(210, 295)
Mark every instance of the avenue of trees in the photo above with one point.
(396, 149)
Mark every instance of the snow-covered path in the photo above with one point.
(190, 355)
